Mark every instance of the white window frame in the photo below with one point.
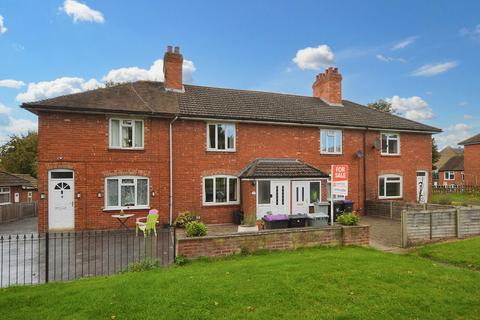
(121, 132)
(386, 176)
(215, 203)
(30, 196)
(325, 131)
(449, 176)
(216, 124)
(6, 190)
(388, 134)
(119, 206)
(463, 176)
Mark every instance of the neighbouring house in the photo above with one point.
(176, 147)
(16, 188)
(452, 172)
(445, 154)
(471, 148)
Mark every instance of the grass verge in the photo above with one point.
(463, 253)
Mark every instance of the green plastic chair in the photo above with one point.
(147, 224)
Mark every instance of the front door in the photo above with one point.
(280, 201)
(300, 197)
(60, 200)
(422, 187)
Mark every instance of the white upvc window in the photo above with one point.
(221, 136)
(463, 176)
(29, 196)
(331, 141)
(4, 195)
(126, 134)
(449, 175)
(390, 186)
(221, 190)
(127, 192)
(390, 143)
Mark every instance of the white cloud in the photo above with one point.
(383, 58)
(58, 87)
(154, 73)
(474, 33)
(10, 125)
(82, 12)
(429, 70)
(467, 117)
(9, 83)
(314, 58)
(3, 29)
(453, 135)
(463, 103)
(413, 108)
(404, 43)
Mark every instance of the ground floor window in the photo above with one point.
(30, 196)
(390, 186)
(449, 175)
(315, 195)
(4, 195)
(126, 192)
(218, 190)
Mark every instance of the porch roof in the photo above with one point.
(280, 168)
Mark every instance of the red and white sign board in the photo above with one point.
(340, 180)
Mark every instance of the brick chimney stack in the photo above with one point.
(172, 69)
(328, 86)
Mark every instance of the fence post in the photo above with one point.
(404, 222)
(431, 218)
(457, 220)
(46, 256)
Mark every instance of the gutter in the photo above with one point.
(170, 206)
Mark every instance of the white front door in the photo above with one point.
(60, 200)
(422, 186)
(300, 197)
(280, 201)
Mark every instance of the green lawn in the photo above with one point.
(464, 253)
(460, 198)
(320, 283)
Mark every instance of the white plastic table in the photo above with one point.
(122, 219)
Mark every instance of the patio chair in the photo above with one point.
(147, 224)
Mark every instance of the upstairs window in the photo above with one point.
(390, 144)
(218, 190)
(4, 195)
(126, 134)
(221, 137)
(127, 192)
(330, 141)
(390, 187)
(449, 175)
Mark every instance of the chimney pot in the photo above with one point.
(169, 49)
(328, 86)
(172, 69)
(177, 49)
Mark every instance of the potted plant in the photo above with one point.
(248, 224)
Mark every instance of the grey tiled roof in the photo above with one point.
(473, 140)
(150, 97)
(280, 168)
(453, 164)
(8, 179)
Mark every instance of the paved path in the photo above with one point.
(24, 226)
(385, 234)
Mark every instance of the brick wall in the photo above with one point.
(225, 245)
(472, 164)
(80, 142)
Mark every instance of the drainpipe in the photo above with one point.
(170, 208)
(365, 168)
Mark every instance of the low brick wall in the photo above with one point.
(285, 239)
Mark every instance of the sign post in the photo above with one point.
(338, 186)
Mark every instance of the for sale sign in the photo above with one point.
(340, 180)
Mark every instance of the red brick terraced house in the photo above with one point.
(471, 153)
(452, 172)
(176, 147)
(17, 188)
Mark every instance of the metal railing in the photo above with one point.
(41, 258)
(456, 189)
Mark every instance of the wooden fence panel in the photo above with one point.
(17, 211)
(469, 222)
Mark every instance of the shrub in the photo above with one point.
(196, 229)
(181, 260)
(348, 219)
(184, 218)
(143, 265)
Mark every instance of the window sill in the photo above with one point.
(221, 151)
(126, 209)
(331, 153)
(390, 155)
(126, 149)
(5, 203)
(390, 198)
(224, 204)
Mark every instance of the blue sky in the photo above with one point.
(421, 55)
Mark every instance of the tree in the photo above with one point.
(435, 153)
(20, 154)
(381, 105)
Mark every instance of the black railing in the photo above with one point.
(40, 258)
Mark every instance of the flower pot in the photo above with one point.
(247, 228)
